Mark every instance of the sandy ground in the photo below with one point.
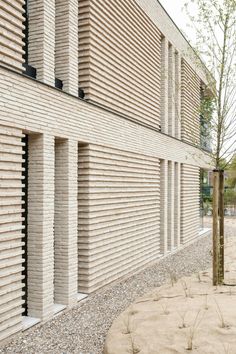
(185, 315)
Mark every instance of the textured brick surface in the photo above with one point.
(66, 50)
(119, 221)
(108, 192)
(122, 70)
(190, 108)
(11, 34)
(40, 226)
(42, 39)
(190, 202)
(43, 109)
(65, 222)
(11, 208)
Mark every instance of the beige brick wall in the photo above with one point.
(40, 226)
(42, 39)
(171, 90)
(190, 105)
(164, 205)
(164, 85)
(177, 205)
(168, 28)
(171, 204)
(11, 229)
(177, 101)
(43, 109)
(66, 50)
(65, 222)
(11, 34)
(119, 218)
(124, 49)
(190, 199)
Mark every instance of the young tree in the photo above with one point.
(214, 22)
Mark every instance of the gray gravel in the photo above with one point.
(82, 330)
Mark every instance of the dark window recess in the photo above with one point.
(25, 224)
(29, 70)
(58, 84)
(81, 93)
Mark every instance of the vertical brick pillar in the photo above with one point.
(65, 237)
(171, 204)
(40, 226)
(177, 206)
(66, 58)
(164, 206)
(164, 85)
(177, 95)
(171, 91)
(42, 39)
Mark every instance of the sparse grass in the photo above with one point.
(206, 307)
(134, 348)
(219, 312)
(226, 348)
(199, 277)
(187, 289)
(165, 309)
(157, 296)
(183, 322)
(173, 278)
(192, 331)
(128, 329)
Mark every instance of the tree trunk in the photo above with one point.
(221, 227)
(215, 228)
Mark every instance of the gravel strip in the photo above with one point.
(83, 328)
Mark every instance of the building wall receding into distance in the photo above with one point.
(99, 149)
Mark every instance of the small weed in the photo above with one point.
(187, 289)
(199, 277)
(165, 309)
(134, 348)
(192, 331)
(131, 313)
(206, 307)
(183, 322)
(173, 278)
(223, 323)
(157, 297)
(226, 348)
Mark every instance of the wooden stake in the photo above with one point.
(221, 226)
(215, 228)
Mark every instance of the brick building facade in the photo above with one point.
(99, 148)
